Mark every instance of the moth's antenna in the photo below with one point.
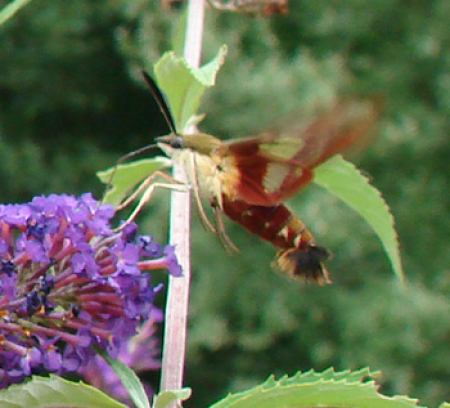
(164, 107)
(161, 101)
(136, 153)
(123, 159)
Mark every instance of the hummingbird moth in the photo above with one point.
(249, 179)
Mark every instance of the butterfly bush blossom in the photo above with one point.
(69, 282)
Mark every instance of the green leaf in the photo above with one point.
(183, 85)
(124, 177)
(130, 381)
(10, 9)
(344, 180)
(165, 398)
(54, 391)
(178, 35)
(311, 389)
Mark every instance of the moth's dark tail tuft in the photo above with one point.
(305, 263)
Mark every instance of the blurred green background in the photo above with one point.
(72, 102)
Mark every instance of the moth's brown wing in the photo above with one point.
(276, 165)
(258, 169)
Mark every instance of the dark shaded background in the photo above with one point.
(72, 102)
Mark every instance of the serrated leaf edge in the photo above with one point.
(395, 260)
(271, 386)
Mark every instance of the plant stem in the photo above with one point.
(194, 32)
(178, 296)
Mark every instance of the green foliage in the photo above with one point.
(27, 169)
(165, 398)
(123, 178)
(346, 182)
(55, 392)
(11, 9)
(327, 389)
(68, 92)
(185, 86)
(61, 106)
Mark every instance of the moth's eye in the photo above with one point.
(176, 142)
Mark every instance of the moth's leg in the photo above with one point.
(202, 216)
(224, 238)
(147, 187)
(193, 175)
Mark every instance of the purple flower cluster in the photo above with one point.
(69, 282)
